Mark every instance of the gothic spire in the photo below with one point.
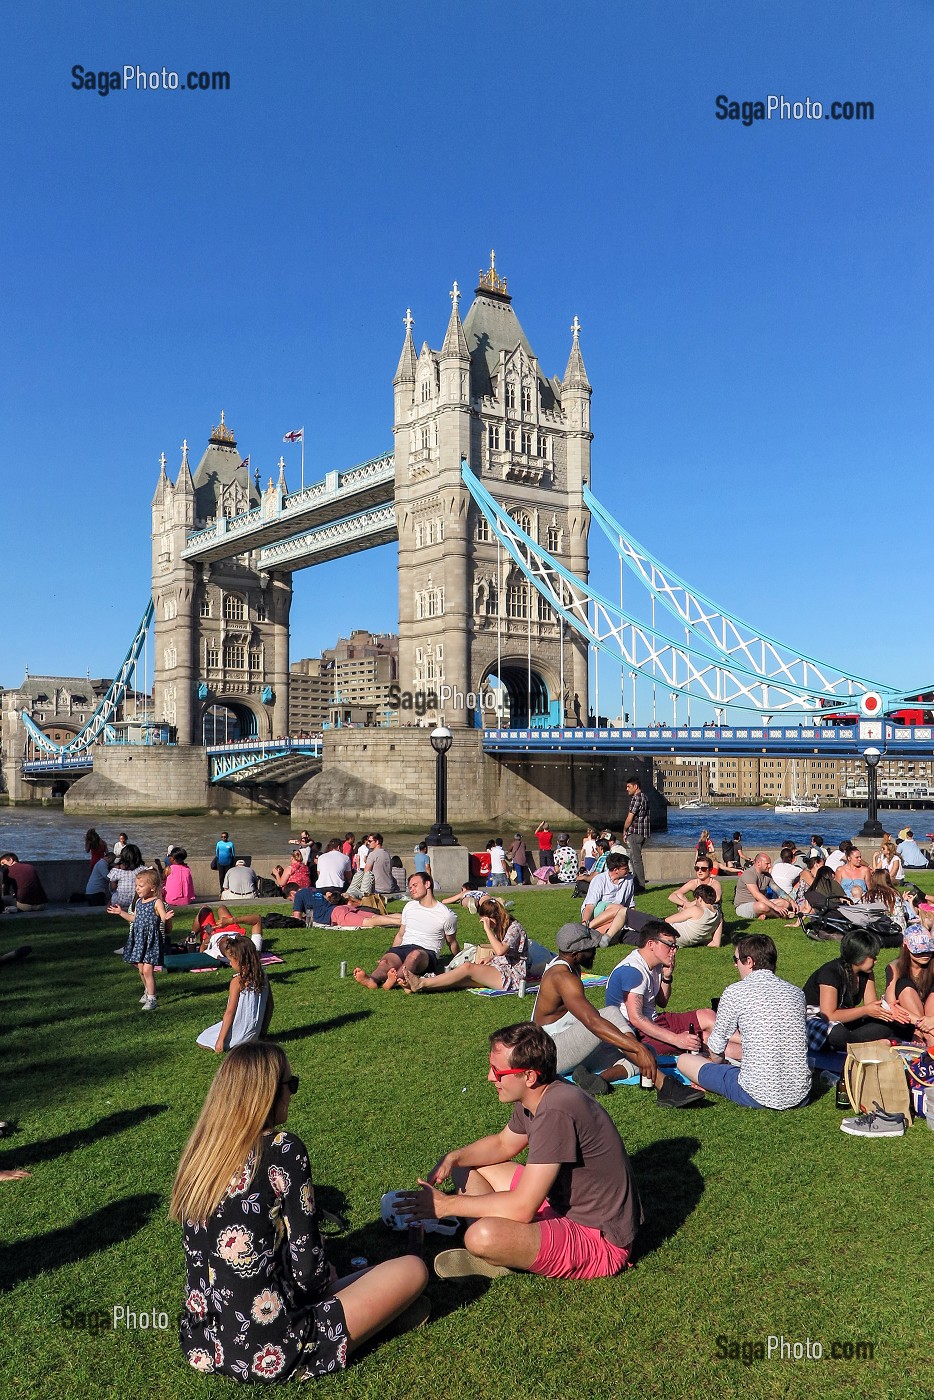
(455, 341)
(163, 484)
(405, 372)
(184, 481)
(575, 376)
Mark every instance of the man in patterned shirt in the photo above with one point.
(636, 829)
(769, 1016)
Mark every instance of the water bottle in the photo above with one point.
(929, 1106)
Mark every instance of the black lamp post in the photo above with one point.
(872, 826)
(441, 833)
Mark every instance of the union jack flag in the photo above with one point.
(246, 462)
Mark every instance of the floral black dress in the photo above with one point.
(258, 1306)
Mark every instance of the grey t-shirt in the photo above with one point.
(745, 881)
(595, 1185)
(379, 862)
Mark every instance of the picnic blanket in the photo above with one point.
(589, 980)
(267, 959)
(183, 962)
(665, 1062)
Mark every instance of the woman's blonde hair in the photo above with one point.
(236, 1113)
(496, 911)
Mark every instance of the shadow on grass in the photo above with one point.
(316, 1027)
(89, 1235)
(30, 1153)
(671, 1187)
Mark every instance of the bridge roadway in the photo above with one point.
(318, 515)
(843, 741)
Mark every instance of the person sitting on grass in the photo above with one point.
(594, 1047)
(295, 878)
(249, 1003)
(909, 979)
(573, 1210)
(700, 923)
(262, 1302)
(22, 879)
(760, 1019)
(642, 983)
(424, 926)
(609, 901)
(751, 896)
(843, 1006)
(703, 875)
(503, 968)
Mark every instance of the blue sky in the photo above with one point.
(756, 301)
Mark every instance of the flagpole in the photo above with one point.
(303, 457)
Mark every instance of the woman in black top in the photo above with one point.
(844, 992)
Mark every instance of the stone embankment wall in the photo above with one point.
(130, 781)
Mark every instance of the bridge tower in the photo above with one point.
(222, 630)
(467, 617)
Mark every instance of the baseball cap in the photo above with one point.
(916, 940)
(575, 938)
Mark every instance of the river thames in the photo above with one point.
(47, 834)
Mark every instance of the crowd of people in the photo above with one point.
(262, 1302)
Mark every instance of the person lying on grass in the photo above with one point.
(425, 926)
(573, 1211)
(262, 1302)
(249, 1002)
(502, 965)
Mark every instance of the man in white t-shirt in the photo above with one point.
(425, 925)
(840, 856)
(333, 867)
(498, 874)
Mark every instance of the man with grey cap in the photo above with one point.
(595, 1047)
(519, 855)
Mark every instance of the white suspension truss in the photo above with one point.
(679, 666)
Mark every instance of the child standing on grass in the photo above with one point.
(144, 946)
(249, 1003)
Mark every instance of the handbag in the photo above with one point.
(214, 863)
(874, 1077)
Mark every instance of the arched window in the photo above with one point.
(526, 399)
(493, 437)
(233, 607)
(523, 520)
(510, 393)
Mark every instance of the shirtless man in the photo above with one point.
(597, 1046)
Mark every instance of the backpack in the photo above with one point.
(728, 850)
(874, 1077)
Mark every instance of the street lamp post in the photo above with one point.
(872, 826)
(441, 833)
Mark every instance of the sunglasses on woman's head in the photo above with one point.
(291, 1084)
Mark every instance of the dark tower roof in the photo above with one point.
(220, 467)
(490, 326)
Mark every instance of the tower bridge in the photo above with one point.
(487, 490)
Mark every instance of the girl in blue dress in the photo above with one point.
(144, 947)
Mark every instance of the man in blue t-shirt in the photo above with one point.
(225, 855)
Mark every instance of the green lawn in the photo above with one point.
(759, 1224)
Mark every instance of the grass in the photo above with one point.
(759, 1224)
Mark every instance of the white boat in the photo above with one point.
(798, 807)
(695, 805)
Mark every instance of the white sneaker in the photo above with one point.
(144, 998)
(149, 1003)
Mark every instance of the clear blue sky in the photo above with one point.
(756, 301)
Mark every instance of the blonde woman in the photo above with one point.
(262, 1303)
(888, 859)
(502, 965)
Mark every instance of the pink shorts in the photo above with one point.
(570, 1250)
(677, 1021)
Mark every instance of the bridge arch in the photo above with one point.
(225, 719)
(530, 695)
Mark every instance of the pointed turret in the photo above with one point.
(405, 371)
(575, 376)
(281, 486)
(164, 486)
(455, 341)
(185, 482)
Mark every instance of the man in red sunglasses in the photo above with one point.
(572, 1211)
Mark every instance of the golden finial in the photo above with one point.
(491, 281)
(222, 433)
